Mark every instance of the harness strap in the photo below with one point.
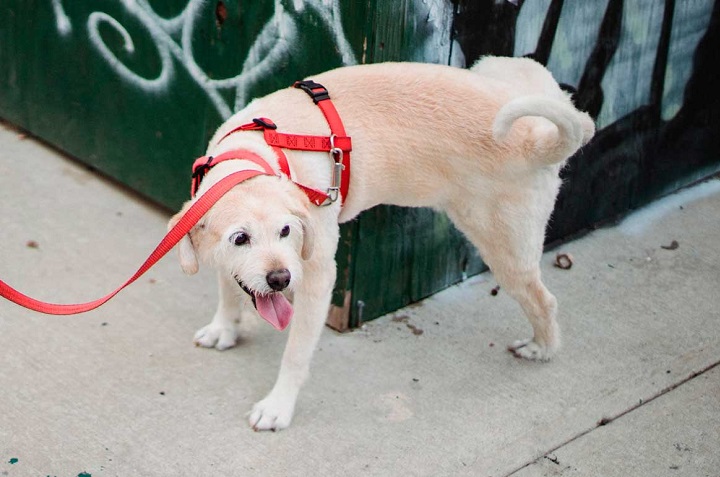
(321, 98)
(184, 225)
(307, 143)
(301, 142)
(203, 164)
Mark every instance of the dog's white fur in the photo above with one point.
(483, 145)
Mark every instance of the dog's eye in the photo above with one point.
(285, 231)
(239, 238)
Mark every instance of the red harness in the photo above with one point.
(338, 145)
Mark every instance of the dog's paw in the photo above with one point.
(215, 336)
(531, 350)
(271, 414)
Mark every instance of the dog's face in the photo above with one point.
(258, 235)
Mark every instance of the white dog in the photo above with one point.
(483, 145)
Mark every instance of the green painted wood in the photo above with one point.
(115, 85)
(404, 255)
(64, 91)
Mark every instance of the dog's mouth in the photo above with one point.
(272, 307)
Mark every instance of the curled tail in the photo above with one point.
(573, 128)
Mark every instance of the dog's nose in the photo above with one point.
(278, 279)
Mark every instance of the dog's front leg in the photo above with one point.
(221, 333)
(312, 301)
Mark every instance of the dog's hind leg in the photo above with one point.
(221, 333)
(539, 305)
(511, 244)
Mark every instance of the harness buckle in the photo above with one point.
(316, 91)
(264, 123)
(198, 173)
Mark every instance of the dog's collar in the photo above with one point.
(338, 145)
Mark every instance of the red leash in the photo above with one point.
(191, 217)
(337, 144)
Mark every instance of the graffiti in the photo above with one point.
(172, 38)
(639, 68)
(62, 20)
(158, 84)
(609, 36)
(433, 20)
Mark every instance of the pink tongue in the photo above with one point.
(275, 309)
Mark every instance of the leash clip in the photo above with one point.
(334, 189)
(336, 154)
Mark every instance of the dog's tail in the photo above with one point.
(573, 128)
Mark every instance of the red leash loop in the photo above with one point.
(184, 225)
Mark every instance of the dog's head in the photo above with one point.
(258, 235)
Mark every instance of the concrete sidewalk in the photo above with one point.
(121, 391)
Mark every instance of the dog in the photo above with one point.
(484, 145)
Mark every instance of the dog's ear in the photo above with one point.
(308, 234)
(186, 249)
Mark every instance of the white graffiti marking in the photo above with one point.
(272, 46)
(63, 22)
(329, 11)
(158, 84)
(627, 81)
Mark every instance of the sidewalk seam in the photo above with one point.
(608, 420)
